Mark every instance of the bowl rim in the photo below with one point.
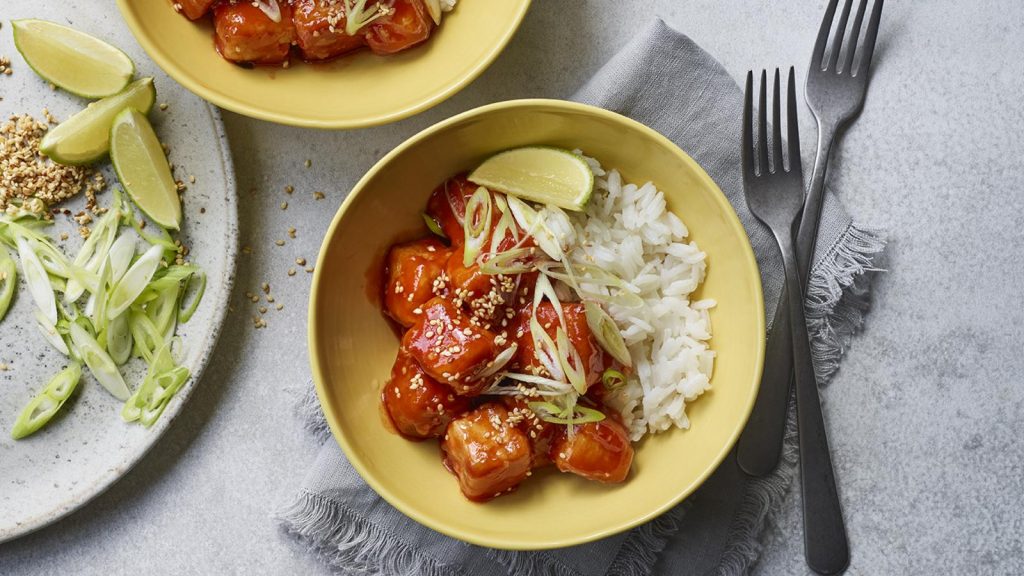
(187, 80)
(319, 376)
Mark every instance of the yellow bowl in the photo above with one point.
(352, 348)
(353, 91)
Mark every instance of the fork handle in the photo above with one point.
(760, 445)
(825, 543)
(807, 234)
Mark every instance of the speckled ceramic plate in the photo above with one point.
(87, 447)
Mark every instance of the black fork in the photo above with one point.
(837, 83)
(775, 196)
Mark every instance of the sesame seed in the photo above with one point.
(300, 261)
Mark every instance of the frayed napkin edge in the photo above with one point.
(342, 538)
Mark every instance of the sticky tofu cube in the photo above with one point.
(413, 269)
(320, 29)
(597, 451)
(450, 348)
(244, 34)
(418, 405)
(406, 24)
(487, 454)
(194, 9)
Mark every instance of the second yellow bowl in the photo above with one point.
(352, 348)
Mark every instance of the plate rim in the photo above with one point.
(157, 431)
(186, 79)
(319, 377)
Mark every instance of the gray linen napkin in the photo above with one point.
(669, 83)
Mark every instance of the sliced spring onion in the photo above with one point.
(50, 333)
(533, 222)
(613, 379)
(37, 280)
(8, 281)
(99, 362)
(42, 408)
(159, 363)
(147, 340)
(607, 333)
(119, 339)
(543, 289)
(358, 15)
(572, 364)
(121, 253)
(549, 412)
(270, 8)
(515, 261)
(168, 384)
(185, 314)
(433, 226)
(505, 227)
(99, 298)
(499, 361)
(545, 386)
(477, 224)
(134, 281)
(163, 311)
(545, 349)
(588, 282)
(94, 251)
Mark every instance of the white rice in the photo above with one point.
(626, 230)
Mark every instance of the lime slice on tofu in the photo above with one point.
(73, 60)
(539, 174)
(142, 168)
(85, 137)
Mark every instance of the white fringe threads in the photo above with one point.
(344, 539)
(837, 299)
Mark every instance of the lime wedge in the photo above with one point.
(85, 137)
(73, 60)
(539, 174)
(142, 168)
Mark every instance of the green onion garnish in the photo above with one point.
(613, 379)
(433, 226)
(477, 224)
(99, 362)
(8, 281)
(42, 408)
(607, 333)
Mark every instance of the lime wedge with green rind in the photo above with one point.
(73, 60)
(85, 137)
(539, 174)
(142, 168)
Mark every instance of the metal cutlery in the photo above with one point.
(835, 95)
(775, 196)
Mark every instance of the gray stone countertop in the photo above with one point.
(926, 414)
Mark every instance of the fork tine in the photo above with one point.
(818, 56)
(762, 123)
(794, 126)
(851, 44)
(869, 38)
(776, 127)
(747, 148)
(837, 45)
